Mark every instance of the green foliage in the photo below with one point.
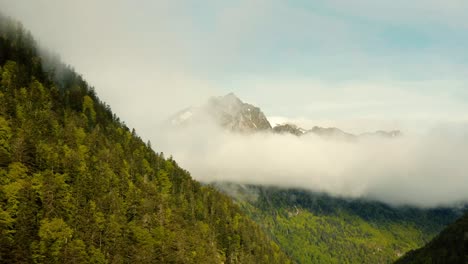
(54, 236)
(77, 186)
(316, 228)
(450, 246)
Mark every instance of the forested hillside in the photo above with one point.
(317, 228)
(449, 247)
(77, 186)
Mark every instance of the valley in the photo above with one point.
(316, 228)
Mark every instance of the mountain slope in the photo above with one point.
(449, 247)
(77, 186)
(316, 228)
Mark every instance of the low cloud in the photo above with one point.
(425, 170)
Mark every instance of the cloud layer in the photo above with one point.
(427, 170)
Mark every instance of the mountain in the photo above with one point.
(449, 247)
(317, 228)
(227, 111)
(232, 114)
(78, 186)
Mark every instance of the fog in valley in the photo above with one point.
(424, 170)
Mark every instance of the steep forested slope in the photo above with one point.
(316, 228)
(77, 186)
(449, 247)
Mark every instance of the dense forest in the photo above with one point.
(78, 186)
(450, 246)
(317, 228)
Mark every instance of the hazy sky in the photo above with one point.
(364, 64)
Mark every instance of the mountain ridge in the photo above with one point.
(232, 114)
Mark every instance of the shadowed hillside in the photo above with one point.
(449, 247)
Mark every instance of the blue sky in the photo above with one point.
(320, 39)
(329, 62)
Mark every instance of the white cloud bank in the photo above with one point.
(427, 170)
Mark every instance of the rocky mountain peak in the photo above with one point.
(229, 112)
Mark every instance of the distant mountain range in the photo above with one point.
(232, 113)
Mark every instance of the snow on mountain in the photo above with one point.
(182, 116)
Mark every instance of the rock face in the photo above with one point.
(236, 115)
(288, 129)
(227, 111)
